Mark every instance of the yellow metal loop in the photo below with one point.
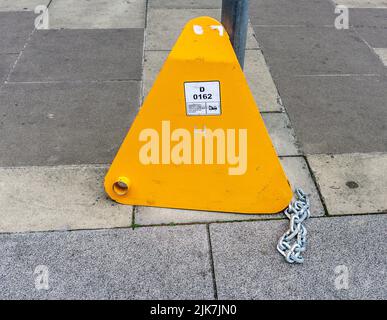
(121, 186)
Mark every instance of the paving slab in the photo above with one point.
(363, 3)
(251, 39)
(352, 183)
(281, 134)
(6, 63)
(337, 114)
(15, 29)
(382, 53)
(299, 176)
(65, 123)
(165, 25)
(261, 83)
(21, 5)
(292, 13)
(105, 14)
(185, 4)
(153, 62)
(256, 71)
(147, 263)
(371, 24)
(296, 170)
(57, 198)
(58, 55)
(311, 51)
(369, 18)
(345, 259)
(373, 36)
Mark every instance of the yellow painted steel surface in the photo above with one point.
(201, 91)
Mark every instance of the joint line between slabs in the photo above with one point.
(212, 264)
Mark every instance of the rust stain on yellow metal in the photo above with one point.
(202, 65)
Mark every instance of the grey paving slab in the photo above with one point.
(165, 25)
(6, 63)
(256, 71)
(251, 39)
(363, 3)
(296, 170)
(166, 216)
(21, 5)
(82, 55)
(373, 36)
(65, 123)
(344, 260)
(310, 51)
(292, 13)
(153, 62)
(371, 24)
(299, 176)
(146, 263)
(260, 82)
(105, 14)
(57, 198)
(372, 18)
(185, 4)
(15, 29)
(281, 133)
(382, 53)
(337, 114)
(352, 183)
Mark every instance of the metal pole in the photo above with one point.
(235, 17)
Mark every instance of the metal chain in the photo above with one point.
(293, 242)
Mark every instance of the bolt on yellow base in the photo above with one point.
(198, 141)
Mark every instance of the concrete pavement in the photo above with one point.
(69, 94)
(110, 264)
(331, 81)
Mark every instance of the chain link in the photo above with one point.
(293, 242)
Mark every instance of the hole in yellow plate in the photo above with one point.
(121, 187)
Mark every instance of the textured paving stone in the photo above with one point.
(337, 114)
(21, 5)
(281, 133)
(352, 183)
(57, 198)
(185, 4)
(363, 3)
(248, 266)
(295, 12)
(296, 171)
(15, 29)
(257, 74)
(65, 123)
(6, 62)
(147, 263)
(165, 25)
(382, 53)
(82, 55)
(310, 51)
(84, 14)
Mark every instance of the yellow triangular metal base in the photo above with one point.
(201, 62)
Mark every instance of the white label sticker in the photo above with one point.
(202, 98)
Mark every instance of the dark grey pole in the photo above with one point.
(235, 16)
